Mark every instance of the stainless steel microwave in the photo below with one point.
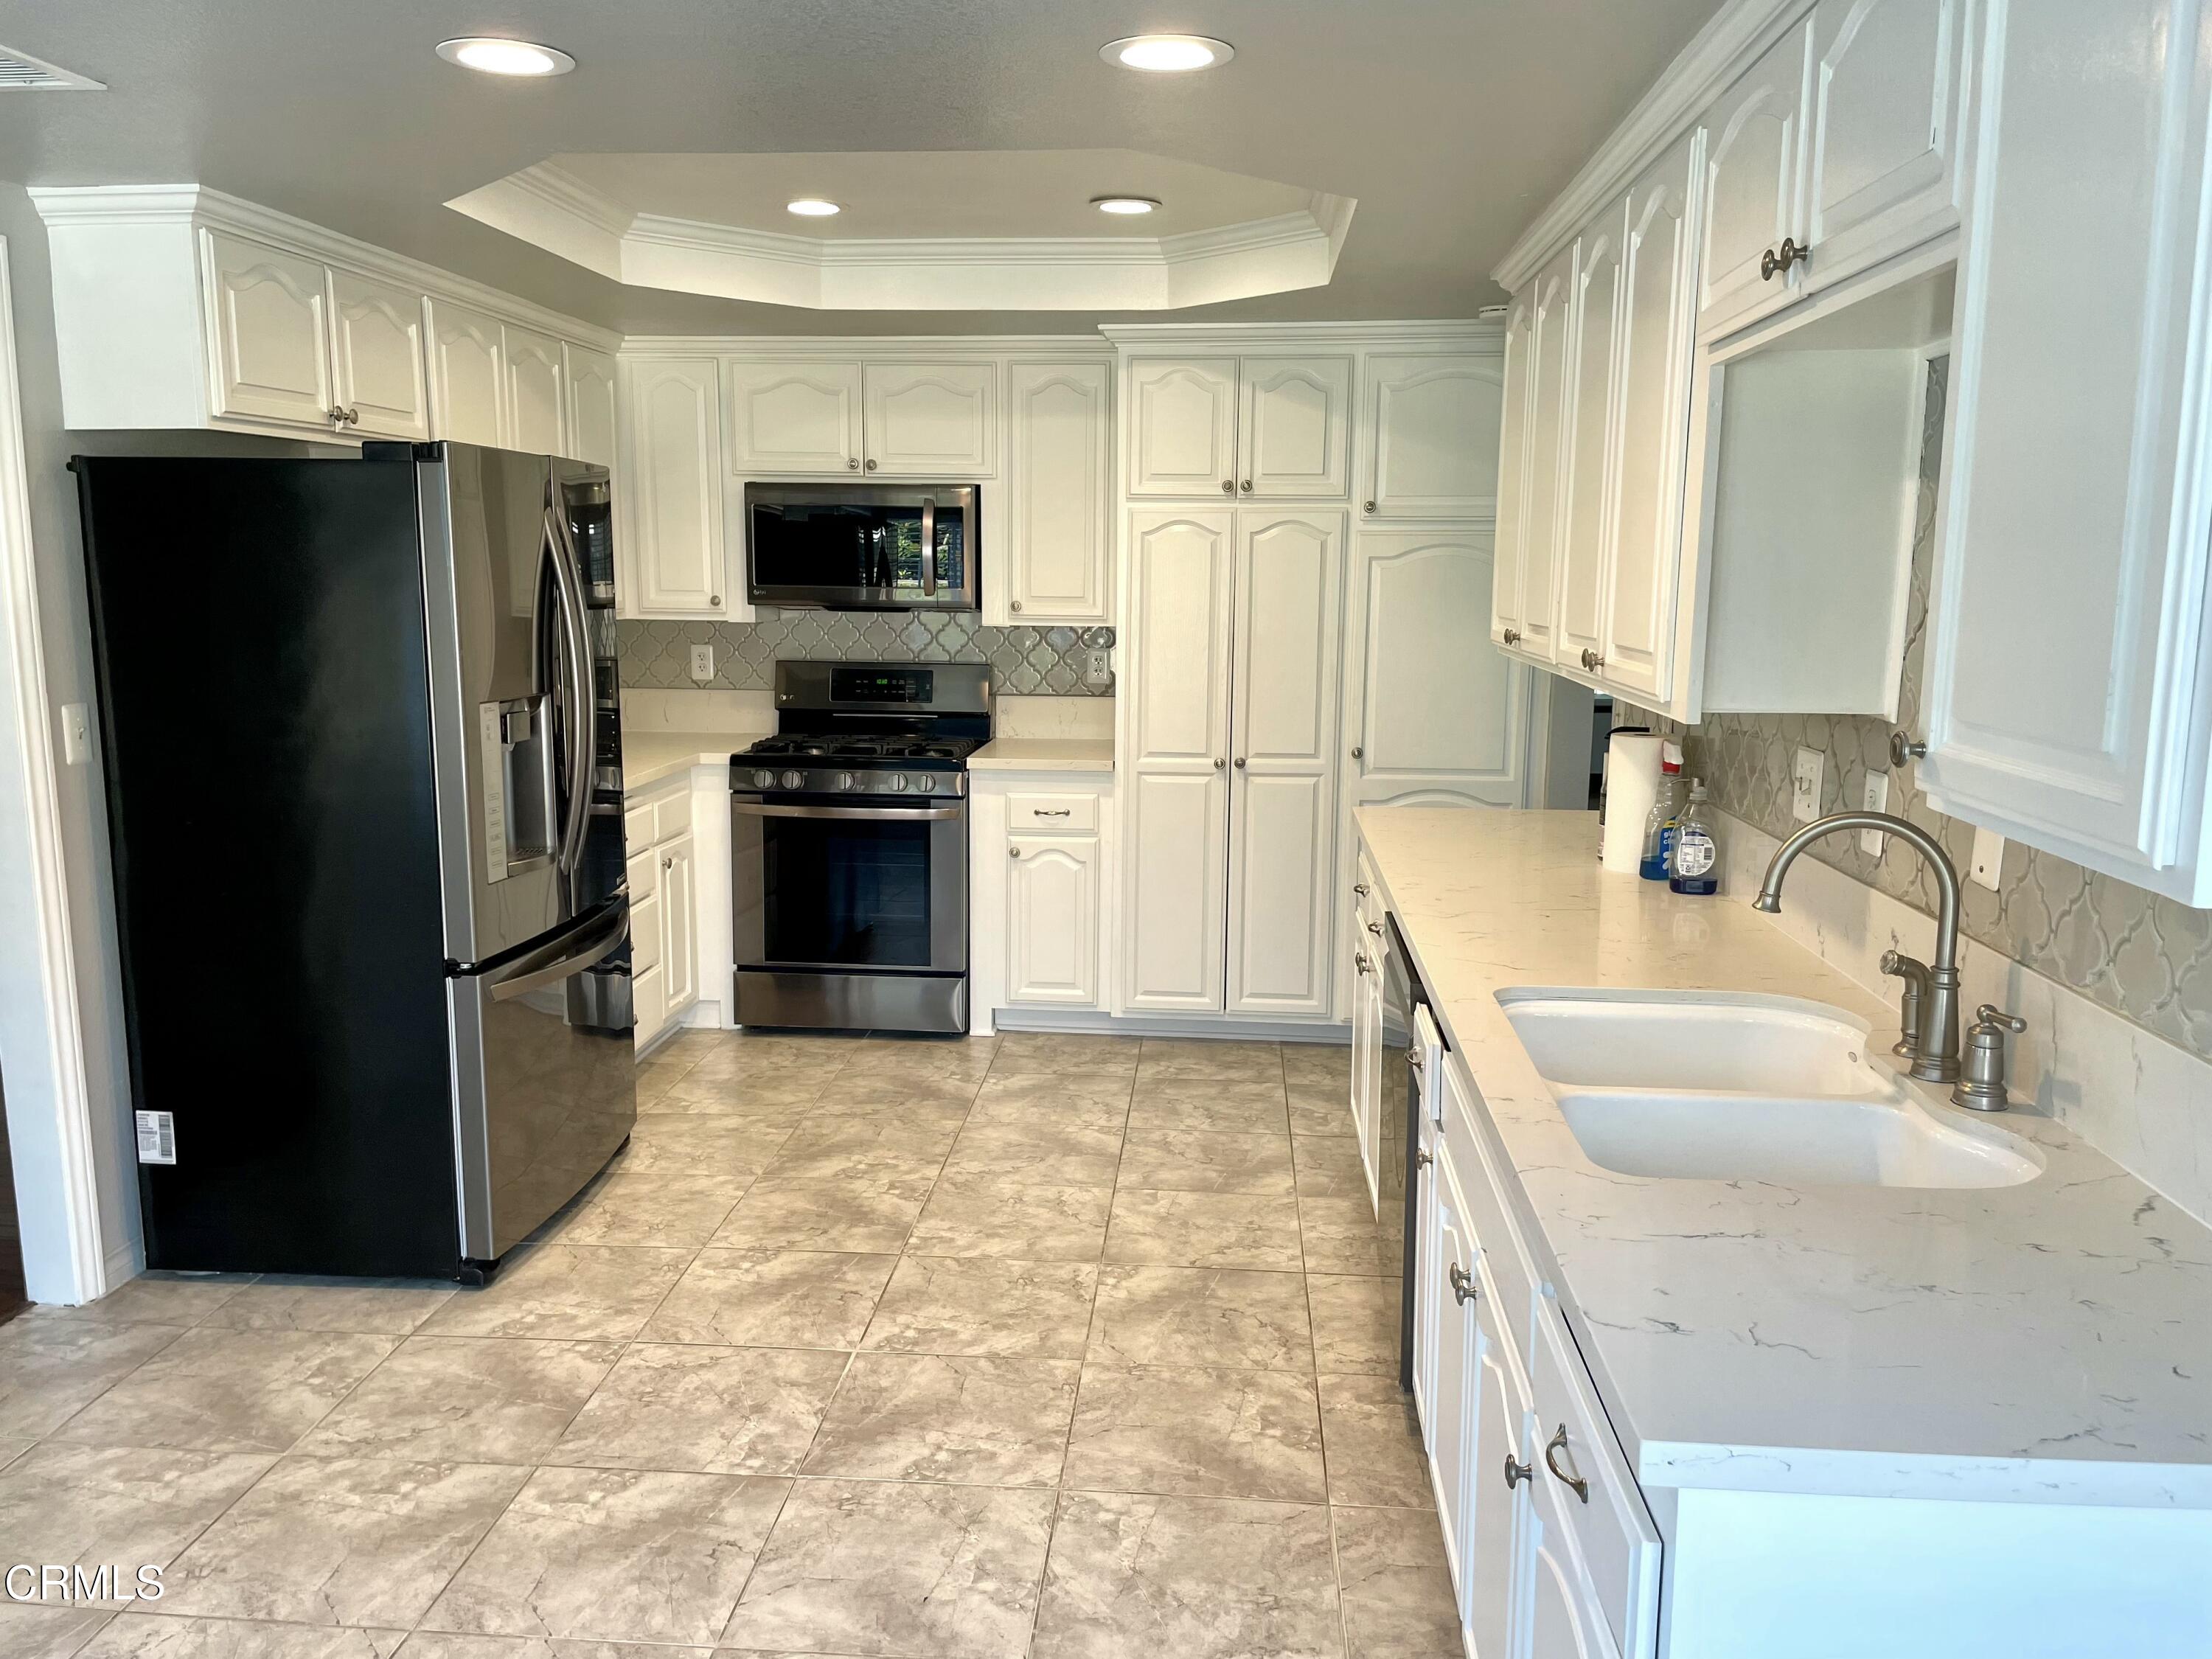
(862, 547)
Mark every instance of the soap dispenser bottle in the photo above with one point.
(1693, 859)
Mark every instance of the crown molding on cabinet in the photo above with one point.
(1482, 338)
(1736, 32)
(197, 205)
(550, 208)
(905, 348)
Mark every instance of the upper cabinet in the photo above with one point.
(930, 420)
(1059, 527)
(1754, 152)
(671, 481)
(177, 307)
(590, 379)
(795, 417)
(1262, 426)
(1431, 438)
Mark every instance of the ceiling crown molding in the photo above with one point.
(550, 208)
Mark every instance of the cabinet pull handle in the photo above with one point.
(1050, 811)
(1591, 661)
(1228, 486)
(1516, 1473)
(1775, 261)
(1463, 1287)
(1511, 637)
(1553, 1448)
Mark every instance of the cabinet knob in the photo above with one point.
(336, 414)
(1904, 747)
(667, 861)
(872, 463)
(1246, 486)
(1228, 486)
(1359, 887)
(1516, 1473)
(1375, 928)
(1359, 961)
(715, 598)
(1016, 605)
(1217, 763)
(1240, 762)
(1013, 852)
(1553, 1448)
(851, 463)
(1511, 637)
(1423, 1158)
(1367, 506)
(1462, 1284)
(1359, 752)
(1775, 261)
(1591, 661)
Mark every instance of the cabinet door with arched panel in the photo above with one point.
(1754, 151)
(795, 417)
(1433, 428)
(1182, 426)
(930, 420)
(272, 341)
(1293, 426)
(378, 364)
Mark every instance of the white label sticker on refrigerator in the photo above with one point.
(157, 1137)
(492, 740)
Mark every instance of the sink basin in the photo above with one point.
(1693, 1039)
(1712, 1086)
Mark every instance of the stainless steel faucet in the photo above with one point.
(1935, 1054)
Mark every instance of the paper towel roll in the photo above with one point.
(1632, 784)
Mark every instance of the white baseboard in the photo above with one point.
(1080, 1021)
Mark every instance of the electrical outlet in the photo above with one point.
(702, 662)
(76, 733)
(1988, 858)
(1871, 842)
(1097, 668)
(1805, 785)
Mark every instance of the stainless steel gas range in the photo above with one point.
(848, 848)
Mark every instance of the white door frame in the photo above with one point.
(50, 1129)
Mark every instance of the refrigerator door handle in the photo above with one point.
(582, 734)
(563, 958)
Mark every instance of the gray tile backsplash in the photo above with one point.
(2148, 958)
(1029, 662)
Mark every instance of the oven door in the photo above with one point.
(847, 887)
(862, 547)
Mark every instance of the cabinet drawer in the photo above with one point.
(637, 832)
(1058, 813)
(1611, 1531)
(671, 816)
(1489, 1217)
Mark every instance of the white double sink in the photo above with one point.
(1726, 1086)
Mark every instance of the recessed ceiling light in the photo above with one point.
(492, 54)
(1167, 54)
(1124, 204)
(811, 207)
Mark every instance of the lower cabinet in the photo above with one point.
(1051, 920)
(664, 908)
(1040, 866)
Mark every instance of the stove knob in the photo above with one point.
(898, 783)
(926, 783)
(763, 780)
(847, 780)
(793, 780)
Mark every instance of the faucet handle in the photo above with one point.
(1981, 1084)
(1913, 1006)
(1990, 1014)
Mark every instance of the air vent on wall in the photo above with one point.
(20, 71)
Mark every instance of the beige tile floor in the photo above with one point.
(1067, 1346)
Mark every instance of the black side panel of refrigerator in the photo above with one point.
(257, 629)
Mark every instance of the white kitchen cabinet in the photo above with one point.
(794, 416)
(271, 333)
(1059, 557)
(664, 907)
(377, 365)
(1174, 758)
(1283, 721)
(1507, 619)
(1586, 473)
(1455, 1418)
(930, 420)
(1182, 426)
(1560, 1619)
(589, 377)
(1293, 426)
(1754, 152)
(536, 392)
(1366, 1088)
(2068, 696)
(468, 375)
(1051, 920)
(1489, 1569)
(672, 482)
(1432, 433)
(1551, 338)
(1883, 170)
(679, 904)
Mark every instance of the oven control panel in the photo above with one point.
(843, 781)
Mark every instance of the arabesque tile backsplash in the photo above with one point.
(1029, 662)
(2148, 958)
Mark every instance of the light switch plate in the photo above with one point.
(702, 662)
(76, 733)
(1805, 785)
(1871, 842)
(1988, 858)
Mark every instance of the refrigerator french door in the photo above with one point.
(349, 746)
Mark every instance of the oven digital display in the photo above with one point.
(881, 684)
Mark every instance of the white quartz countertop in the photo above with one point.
(2046, 1342)
(651, 755)
(1044, 755)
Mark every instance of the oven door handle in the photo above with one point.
(761, 809)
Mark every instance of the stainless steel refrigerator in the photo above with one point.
(360, 740)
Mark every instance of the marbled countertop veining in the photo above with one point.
(2046, 1342)
(1044, 755)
